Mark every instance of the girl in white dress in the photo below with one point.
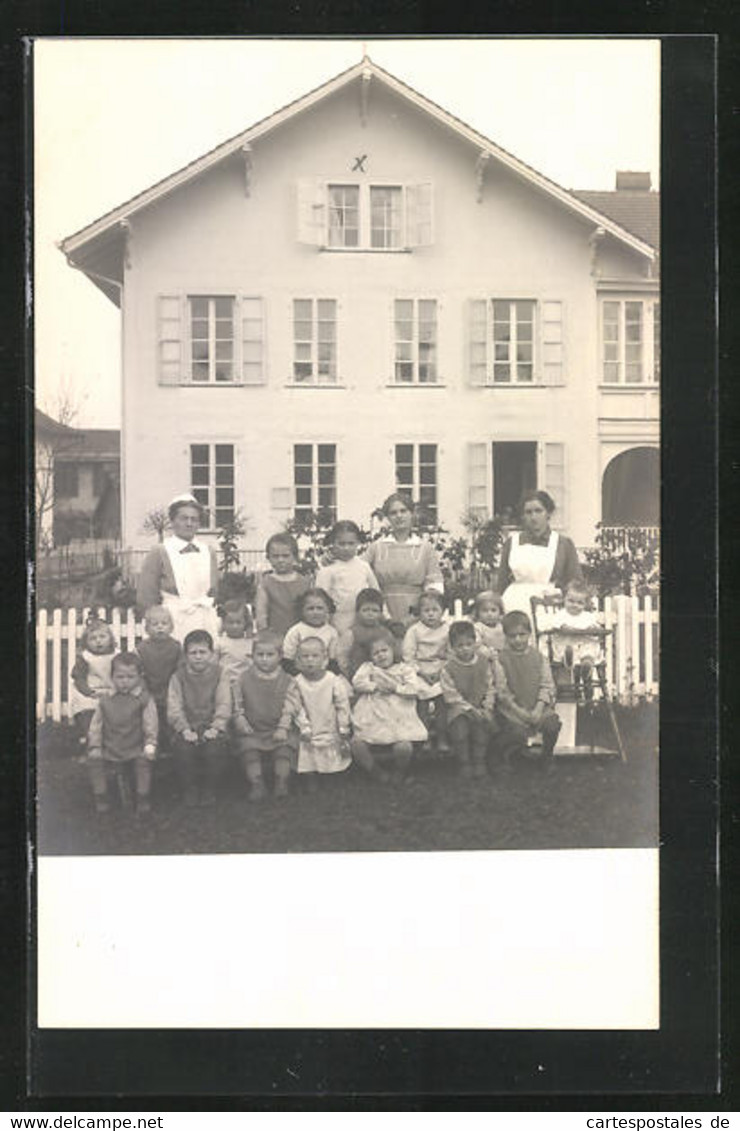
(385, 719)
(319, 706)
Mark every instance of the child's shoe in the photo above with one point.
(443, 746)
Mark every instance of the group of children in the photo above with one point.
(325, 680)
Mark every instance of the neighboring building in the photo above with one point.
(78, 482)
(360, 293)
(50, 438)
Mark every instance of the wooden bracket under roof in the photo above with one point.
(594, 242)
(247, 155)
(480, 169)
(125, 227)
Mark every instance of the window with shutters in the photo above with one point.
(630, 341)
(416, 477)
(211, 340)
(212, 481)
(365, 217)
(499, 472)
(415, 334)
(315, 481)
(314, 341)
(515, 341)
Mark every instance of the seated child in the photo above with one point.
(384, 718)
(425, 648)
(314, 609)
(526, 693)
(345, 576)
(577, 637)
(234, 644)
(160, 654)
(198, 712)
(488, 609)
(123, 734)
(369, 623)
(90, 678)
(260, 693)
(468, 686)
(280, 587)
(319, 707)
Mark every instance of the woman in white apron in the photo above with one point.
(181, 573)
(535, 561)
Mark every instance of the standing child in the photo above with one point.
(234, 646)
(320, 709)
(314, 609)
(280, 589)
(260, 693)
(198, 711)
(425, 648)
(526, 695)
(90, 678)
(488, 609)
(346, 575)
(384, 718)
(160, 654)
(468, 686)
(123, 735)
(354, 643)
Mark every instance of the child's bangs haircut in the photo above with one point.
(431, 595)
(514, 620)
(127, 660)
(308, 595)
(488, 597)
(345, 526)
(459, 631)
(234, 607)
(198, 636)
(268, 638)
(282, 538)
(313, 640)
(158, 610)
(369, 597)
(94, 624)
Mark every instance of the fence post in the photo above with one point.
(130, 630)
(457, 609)
(649, 681)
(56, 666)
(635, 644)
(71, 651)
(621, 639)
(41, 651)
(610, 642)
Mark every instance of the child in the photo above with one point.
(354, 643)
(320, 709)
(122, 734)
(280, 589)
(90, 678)
(577, 638)
(314, 609)
(160, 654)
(488, 609)
(425, 648)
(234, 650)
(468, 686)
(260, 692)
(526, 693)
(346, 575)
(198, 711)
(384, 718)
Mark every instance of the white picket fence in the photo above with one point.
(631, 651)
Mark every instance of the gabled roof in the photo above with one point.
(96, 444)
(46, 425)
(84, 247)
(634, 210)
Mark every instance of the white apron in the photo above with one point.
(190, 607)
(532, 568)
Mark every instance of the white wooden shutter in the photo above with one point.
(419, 215)
(477, 342)
(253, 361)
(553, 478)
(479, 480)
(173, 368)
(311, 211)
(552, 343)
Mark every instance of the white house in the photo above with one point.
(361, 293)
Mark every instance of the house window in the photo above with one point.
(211, 340)
(344, 215)
(100, 479)
(315, 341)
(415, 330)
(630, 331)
(212, 481)
(386, 216)
(66, 481)
(315, 481)
(515, 342)
(362, 216)
(416, 477)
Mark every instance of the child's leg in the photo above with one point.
(550, 729)
(82, 722)
(213, 752)
(512, 741)
(440, 724)
(281, 762)
(459, 731)
(163, 736)
(143, 776)
(402, 752)
(252, 762)
(98, 776)
(480, 732)
(186, 756)
(362, 755)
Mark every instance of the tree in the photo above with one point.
(54, 435)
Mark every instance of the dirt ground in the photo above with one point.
(585, 802)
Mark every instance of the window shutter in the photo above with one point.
(479, 480)
(552, 343)
(419, 215)
(554, 480)
(477, 342)
(312, 211)
(173, 369)
(253, 369)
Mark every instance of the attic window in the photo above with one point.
(365, 217)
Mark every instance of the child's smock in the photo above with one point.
(281, 598)
(259, 702)
(490, 637)
(321, 706)
(343, 581)
(426, 650)
(583, 647)
(234, 654)
(302, 631)
(159, 658)
(467, 685)
(380, 717)
(95, 671)
(122, 725)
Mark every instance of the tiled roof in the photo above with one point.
(637, 211)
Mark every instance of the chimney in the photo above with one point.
(634, 182)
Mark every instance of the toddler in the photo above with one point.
(526, 693)
(122, 735)
(347, 575)
(160, 654)
(90, 678)
(279, 589)
(488, 609)
(198, 711)
(354, 643)
(384, 718)
(260, 692)
(319, 706)
(577, 638)
(425, 648)
(234, 645)
(314, 609)
(468, 685)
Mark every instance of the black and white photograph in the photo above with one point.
(347, 539)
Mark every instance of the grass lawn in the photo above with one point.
(586, 802)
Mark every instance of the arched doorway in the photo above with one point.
(630, 489)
